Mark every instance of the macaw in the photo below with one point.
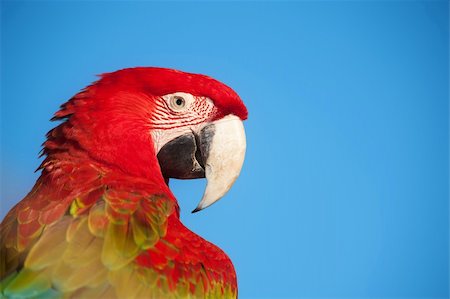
(101, 221)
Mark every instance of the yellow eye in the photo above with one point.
(177, 103)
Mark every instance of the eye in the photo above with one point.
(177, 103)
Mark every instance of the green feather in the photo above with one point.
(27, 284)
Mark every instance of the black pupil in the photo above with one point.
(179, 101)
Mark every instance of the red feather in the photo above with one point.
(101, 165)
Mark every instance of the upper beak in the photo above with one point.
(216, 151)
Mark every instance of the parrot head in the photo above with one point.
(164, 123)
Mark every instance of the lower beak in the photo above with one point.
(216, 152)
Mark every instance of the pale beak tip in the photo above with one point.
(202, 205)
(225, 159)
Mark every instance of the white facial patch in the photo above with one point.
(176, 114)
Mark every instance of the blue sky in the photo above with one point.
(344, 191)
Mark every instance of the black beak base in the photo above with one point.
(178, 160)
(185, 156)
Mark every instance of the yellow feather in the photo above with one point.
(147, 276)
(126, 283)
(98, 219)
(103, 291)
(68, 278)
(145, 235)
(83, 247)
(119, 247)
(49, 248)
(73, 228)
(88, 292)
(108, 294)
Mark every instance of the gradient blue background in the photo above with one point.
(344, 192)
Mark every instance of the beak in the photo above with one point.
(216, 151)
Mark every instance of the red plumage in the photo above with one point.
(101, 167)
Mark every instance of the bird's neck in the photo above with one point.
(68, 145)
(80, 174)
